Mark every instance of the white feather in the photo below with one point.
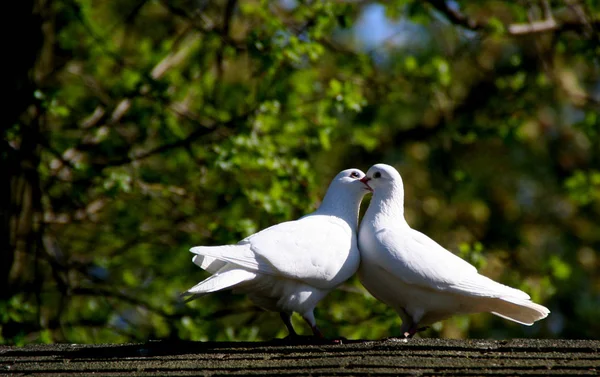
(416, 276)
(313, 249)
(228, 277)
(290, 267)
(209, 264)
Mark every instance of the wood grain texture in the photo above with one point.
(415, 357)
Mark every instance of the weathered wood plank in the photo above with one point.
(421, 357)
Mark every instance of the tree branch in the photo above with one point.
(534, 27)
(549, 24)
(455, 16)
(200, 131)
(196, 18)
(228, 14)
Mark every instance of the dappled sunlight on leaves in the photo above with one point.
(147, 128)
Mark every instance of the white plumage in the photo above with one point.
(290, 267)
(418, 278)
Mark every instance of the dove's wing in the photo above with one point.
(416, 259)
(312, 249)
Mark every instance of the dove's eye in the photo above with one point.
(354, 174)
(377, 175)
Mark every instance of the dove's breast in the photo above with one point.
(339, 257)
(368, 243)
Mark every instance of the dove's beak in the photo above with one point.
(366, 180)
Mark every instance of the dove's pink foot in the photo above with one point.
(317, 332)
(413, 330)
(310, 319)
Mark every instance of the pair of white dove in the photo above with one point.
(290, 267)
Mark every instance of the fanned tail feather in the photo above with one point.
(209, 264)
(213, 258)
(517, 310)
(224, 279)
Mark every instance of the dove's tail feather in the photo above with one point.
(225, 278)
(524, 312)
(221, 249)
(213, 258)
(208, 264)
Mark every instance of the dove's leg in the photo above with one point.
(408, 325)
(317, 332)
(411, 331)
(410, 322)
(287, 319)
(312, 322)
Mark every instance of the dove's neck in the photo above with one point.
(344, 204)
(387, 204)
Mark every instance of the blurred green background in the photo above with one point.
(139, 128)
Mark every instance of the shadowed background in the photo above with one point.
(139, 128)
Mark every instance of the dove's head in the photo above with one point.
(344, 195)
(345, 190)
(382, 178)
(350, 180)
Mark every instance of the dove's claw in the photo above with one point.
(339, 340)
(412, 330)
(336, 341)
(318, 332)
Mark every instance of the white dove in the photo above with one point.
(290, 267)
(418, 278)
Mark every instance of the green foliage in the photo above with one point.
(472, 254)
(584, 187)
(168, 124)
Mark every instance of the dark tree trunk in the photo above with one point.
(20, 202)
